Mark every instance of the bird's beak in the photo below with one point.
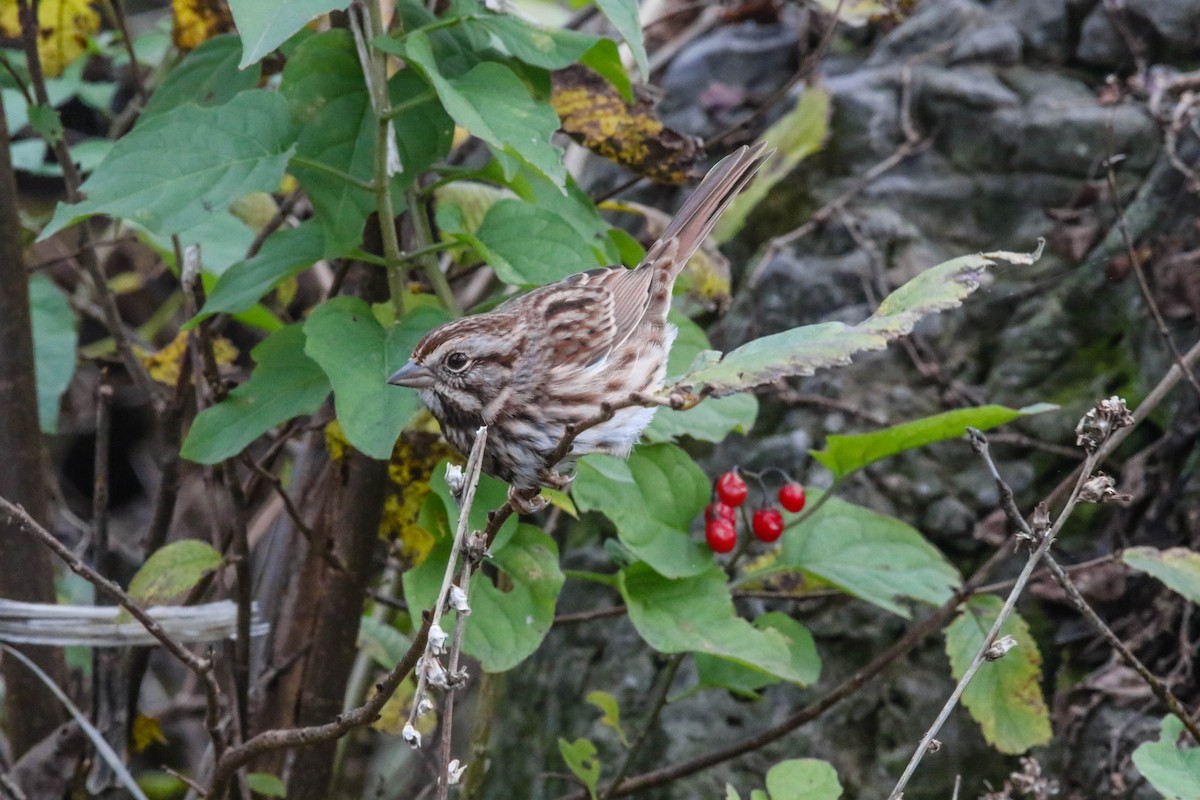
(412, 375)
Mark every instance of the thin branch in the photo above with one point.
(656, 706)
(201, 667)
(1045, 540)
(1143, 285)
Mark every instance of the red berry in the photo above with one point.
(731, 489)
(767, 524)
(719, 510)
(791, 497)
(721, 535)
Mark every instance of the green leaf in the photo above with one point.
(576, 209)
(54, 337)
(803, 779)
(328, 100)
(801, 351)
(507, 625)
(612, 712)
(796, 135)
(872, 556)
(285, 383)
(266, 24)
(712, 420)
(1177, 567)
(583, 762)
(1005, 696)
(846, 454)
(623, 14)
(552, 48)
(424, 131)
(524, 244)
(716, 672)
(358, 355)
(1172, 770)
(696, 614)
(731, 793)
(652, 498)
(284, 254)
(266, 784)
(173, 170)
(172, 570)
(208, 76)
(492, 103)
(382, 642)
(46, 123)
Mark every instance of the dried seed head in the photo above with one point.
(454, 772)
(437, 639)
(1000, 648)
(933, 746)
(1100, 488)
(455, 480)
(1100, 422)
(424, 706)
(412, 735)
(435, 673)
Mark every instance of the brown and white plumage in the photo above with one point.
(549, 358)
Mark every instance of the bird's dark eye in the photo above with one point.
(456, 362)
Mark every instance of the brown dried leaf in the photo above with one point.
(594, 114)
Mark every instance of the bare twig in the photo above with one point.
(1045, 540)
(656, 706)
(201, 667)
(1136, 262)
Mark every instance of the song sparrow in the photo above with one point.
(550, 358)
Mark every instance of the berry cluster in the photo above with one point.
(720, 516)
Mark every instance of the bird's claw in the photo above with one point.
(523, 503)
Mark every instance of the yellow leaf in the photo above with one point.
(197, 21)
(163, 365)
(414, 458)
(64, 27)
(145, 732)
(395, 712)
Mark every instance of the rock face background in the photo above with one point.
(1029, 106)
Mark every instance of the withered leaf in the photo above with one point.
(595, 115)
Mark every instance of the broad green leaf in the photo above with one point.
(328, 100)
(1005, 696)
(524, 244)
(208, 76)
(46, 123)
(846, 454)
(1172, 770)
(266, 784)
(382, 642)
(652, 498)
(552, 48)
(172, 570)
(286, 383)
(424, 131)
(803, 779)
(696, 614)
(716, 672)
(1177, 567)
(490, 494)
(872, 556)
(797, 135)
(222, 238)
(623, 14)
(266, 24)
(731, 793)
(491, 102)
(173, 170)
(358, 355)
(284, 254)
(54, 336)
(576, 208)
(581, 758)
(611, 710)
(802, 351)
(507, 625)
(712, 420)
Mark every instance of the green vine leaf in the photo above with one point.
(172, 171)
(802, 351)
(623, 14)
(173, 570)
(803, 779)
(358, 354)
(1172, 770)
(1177, 567)
(53, 324)
(716, 672)
(844, 455)
(581, 758)
(286, 383)
(208, 76)
(266, 24)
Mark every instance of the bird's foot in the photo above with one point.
(555, 479)
(523, 503)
